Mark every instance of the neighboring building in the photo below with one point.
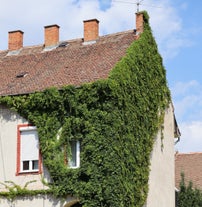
(26, 70)
(190, 164)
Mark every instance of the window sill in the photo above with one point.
(28, 173)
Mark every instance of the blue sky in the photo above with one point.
(176, 25)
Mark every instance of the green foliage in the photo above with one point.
(15, 190)
(116, 121)
(188, 196)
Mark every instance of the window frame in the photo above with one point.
(19, 171)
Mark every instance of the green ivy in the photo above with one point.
(14, 190)
(116, 121)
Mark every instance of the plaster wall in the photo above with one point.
(8, 153)
(38, 201)
(161, 179)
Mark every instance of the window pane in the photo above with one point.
(35, 165)
(25, 165)
(73, 160)
(74, 154)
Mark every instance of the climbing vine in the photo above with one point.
(115, 120)
(14, 190)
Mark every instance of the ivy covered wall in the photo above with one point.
(116, 121)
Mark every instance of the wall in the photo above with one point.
(161, 179)
(37, 201)
(8, 151)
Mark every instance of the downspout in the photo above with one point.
(177, 131)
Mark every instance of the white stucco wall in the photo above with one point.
(38, 201)
(8, 151)
(161, 179)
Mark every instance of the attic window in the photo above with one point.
(21, 75)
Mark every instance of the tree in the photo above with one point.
(188, 196)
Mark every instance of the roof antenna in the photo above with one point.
(138, 4)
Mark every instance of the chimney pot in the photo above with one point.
(91, 30)
(15, 40)
(51, 35)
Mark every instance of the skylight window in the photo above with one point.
(21, 75)
(63, 44)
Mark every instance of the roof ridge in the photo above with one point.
(117, 33)
(188, 153)
(71, 40)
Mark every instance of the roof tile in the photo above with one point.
(191, 165)
(73, 64)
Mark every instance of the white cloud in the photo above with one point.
(187, 98)
(188, 107)
(183, 88)
(172, 46)
(191, 139)
(184, 6)
(168, 28)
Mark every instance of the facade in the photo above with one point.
(26, 70)
(162, 161)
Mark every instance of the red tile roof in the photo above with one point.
(74, 64)
(191, 165)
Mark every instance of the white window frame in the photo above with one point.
(30, 162)
(77, 155)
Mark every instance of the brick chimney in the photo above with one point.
(15, 40)
(51, 35)
(91, 30)
(139, 23)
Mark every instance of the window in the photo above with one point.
(28, 156)
(74, 154)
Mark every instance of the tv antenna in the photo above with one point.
(138, 4)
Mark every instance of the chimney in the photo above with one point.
(51, 35)
(139, 23)
(91, 30)
(15, 40)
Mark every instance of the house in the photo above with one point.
(190, 164)
(86, 122)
